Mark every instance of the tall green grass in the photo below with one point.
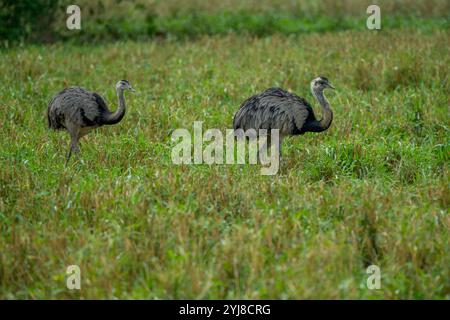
(373, 189)
(107, 20)
(196, 24)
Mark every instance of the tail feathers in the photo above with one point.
(55, 121)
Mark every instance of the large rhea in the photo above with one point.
(279, 109)
(79, 111)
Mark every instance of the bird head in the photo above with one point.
(320, 84)
(124, 85)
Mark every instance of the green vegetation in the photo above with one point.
(105, 20)
(373, 189)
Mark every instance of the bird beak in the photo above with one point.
(330, 86)
(132, 89)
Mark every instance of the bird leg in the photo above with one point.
(269, 148)
(74, 148)
(264, 149)
(69, 154)
(278, 148)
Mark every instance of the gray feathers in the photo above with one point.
(77, 106)
(274, 108)
(79, 111)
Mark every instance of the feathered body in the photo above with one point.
(276, 108)
(76, 105)
(79, 111)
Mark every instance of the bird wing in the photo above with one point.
(92, 106)
(274, 108)
(100, 102)
(245, 113)
(78, 106)
(299, 110)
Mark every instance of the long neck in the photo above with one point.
(327, 114)
(116, 116)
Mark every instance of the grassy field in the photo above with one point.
(112, 20)
(373, 189)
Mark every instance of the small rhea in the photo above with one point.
(79, 111)
(292, 115)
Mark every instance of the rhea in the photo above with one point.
(79, 111)
(292, 115)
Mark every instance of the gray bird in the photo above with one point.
(79, 111)
(279, 109)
